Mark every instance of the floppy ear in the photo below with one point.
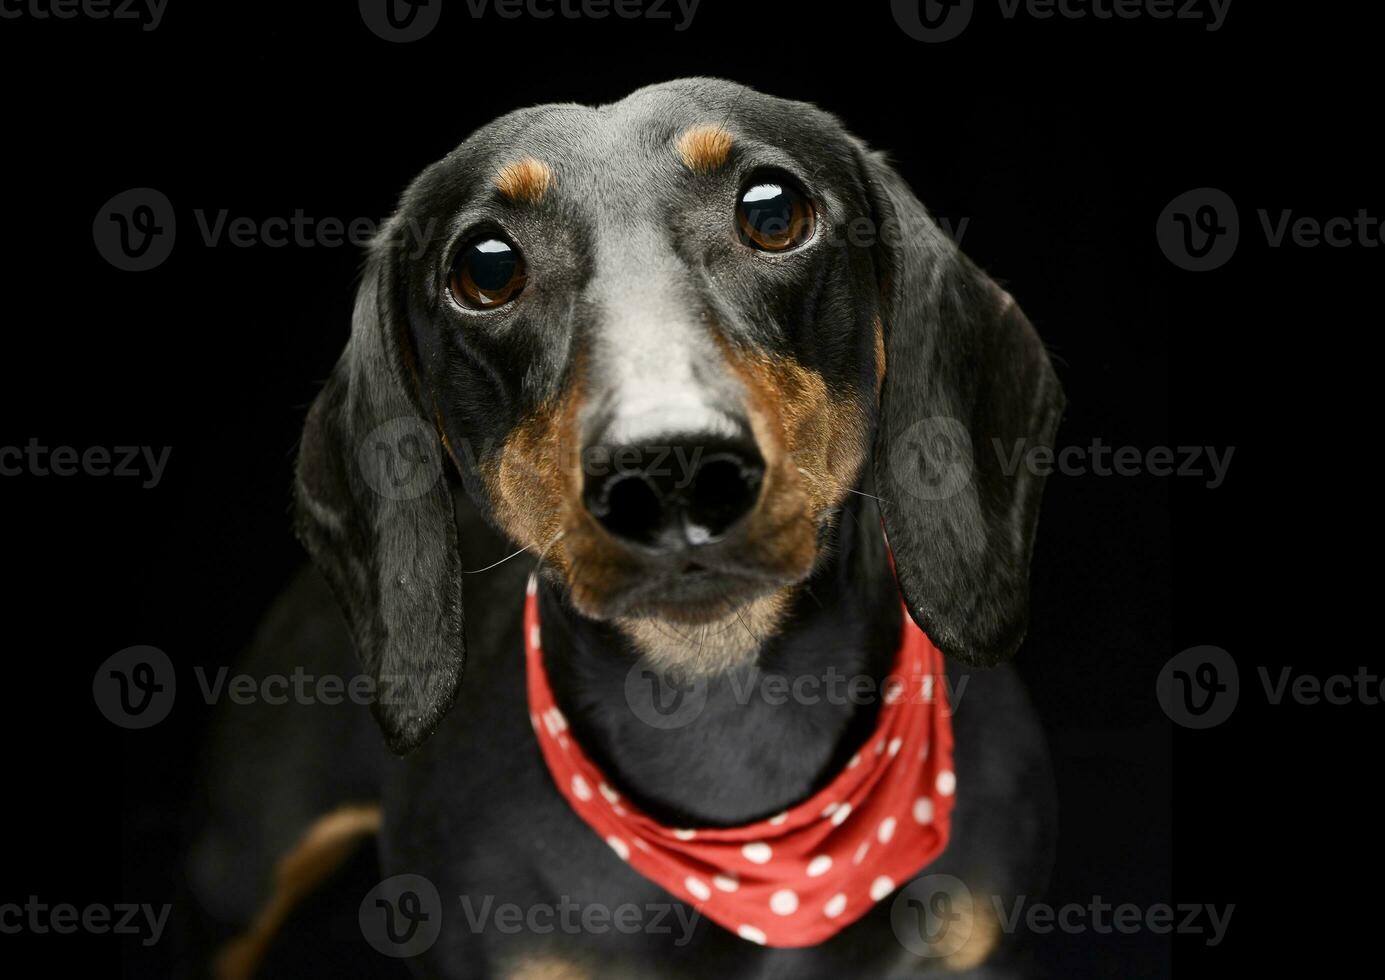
(968, 390)
(373, 508)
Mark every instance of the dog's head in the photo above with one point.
(658, 343)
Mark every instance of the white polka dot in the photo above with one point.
(534, 636)
(639, 842)
(861, 852)
(830, 809)
(532, 587)
(554, 721)
(784, 902)
(727, 882)
(855, 761)
(881, 887)
(779, 818)
(819, 865)
(928, 689)
(880, 746)
(580, 789)
(895, 743)
(611, 795)
(947, 782)
(682, 834)
(752, 934)
(841, 814)
(534, 720)
(894, 690)
(757, 852)
(923, 810)
(697, 888)
(617, 809)
(619, 847)
(885, 830)
(835, 906)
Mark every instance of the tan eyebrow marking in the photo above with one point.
(525, 181)
(704, 147)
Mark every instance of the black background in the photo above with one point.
(1058, 141)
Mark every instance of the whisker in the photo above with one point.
(496, 564)
(861, 493)
(748, 630)
(477, 571)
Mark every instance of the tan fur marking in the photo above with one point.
(704, 147)
(536, 479)
(327, 842)
(822, 437)
(525, 181)
(709, 648)
(983, 935)
(880, 360)
(547, 968)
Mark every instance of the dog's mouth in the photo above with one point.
(696, 592)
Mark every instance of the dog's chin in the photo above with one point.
(705, 638)
(697, 621)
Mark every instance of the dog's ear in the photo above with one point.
(374, 509)
(968, 390)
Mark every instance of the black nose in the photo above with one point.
(682, 493)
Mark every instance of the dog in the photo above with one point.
(701, 362)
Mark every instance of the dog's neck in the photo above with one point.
(770, 732)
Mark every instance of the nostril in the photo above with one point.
(724, 489)
(679, 494)
(629, 507)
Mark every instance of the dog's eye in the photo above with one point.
(487, 272)
(773, 215)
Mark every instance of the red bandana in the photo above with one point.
(800, 877)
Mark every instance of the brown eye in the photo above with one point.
(487, 272)
(774, 216)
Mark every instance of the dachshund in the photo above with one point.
(701, 364)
